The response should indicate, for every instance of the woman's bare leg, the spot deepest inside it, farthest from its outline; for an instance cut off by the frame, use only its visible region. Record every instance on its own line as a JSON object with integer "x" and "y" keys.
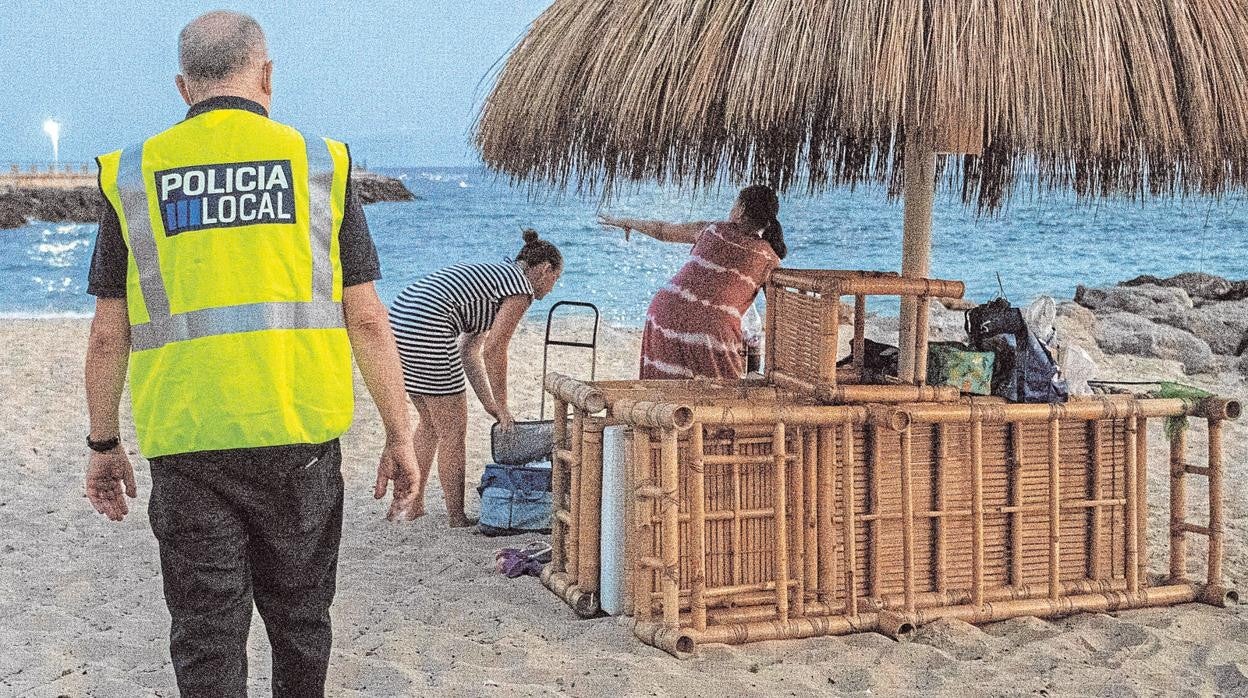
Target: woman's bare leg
{"x": 448, "y": 414}
{"x": 426, "y": 438}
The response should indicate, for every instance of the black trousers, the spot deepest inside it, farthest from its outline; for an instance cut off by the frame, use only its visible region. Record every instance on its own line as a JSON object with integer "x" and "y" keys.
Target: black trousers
{"x": 260, "y": 526}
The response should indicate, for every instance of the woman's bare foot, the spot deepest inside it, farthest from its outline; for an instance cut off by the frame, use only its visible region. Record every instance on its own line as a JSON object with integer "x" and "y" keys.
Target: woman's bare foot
{"x": 462, "y": 522}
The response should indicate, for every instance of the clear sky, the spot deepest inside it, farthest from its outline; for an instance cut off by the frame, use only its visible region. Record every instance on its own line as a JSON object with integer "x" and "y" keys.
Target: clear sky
{"x": 399, "y": 81}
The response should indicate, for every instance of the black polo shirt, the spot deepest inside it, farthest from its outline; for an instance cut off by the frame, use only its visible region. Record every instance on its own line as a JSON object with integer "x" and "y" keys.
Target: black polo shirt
{"x": 107, "y": 277}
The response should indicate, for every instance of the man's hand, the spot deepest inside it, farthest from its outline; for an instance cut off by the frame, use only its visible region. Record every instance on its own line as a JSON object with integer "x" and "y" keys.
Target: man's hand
{"x": 398, "y": 464}
{"x": 108, "y": 475}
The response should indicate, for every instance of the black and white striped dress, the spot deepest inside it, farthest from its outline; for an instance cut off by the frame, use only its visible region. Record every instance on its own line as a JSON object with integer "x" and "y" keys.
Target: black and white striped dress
{"x": 430, "y": 315}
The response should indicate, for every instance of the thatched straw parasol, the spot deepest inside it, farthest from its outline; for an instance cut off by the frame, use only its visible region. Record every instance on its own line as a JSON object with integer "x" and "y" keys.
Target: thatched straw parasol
{"x": 1108, "y": 97}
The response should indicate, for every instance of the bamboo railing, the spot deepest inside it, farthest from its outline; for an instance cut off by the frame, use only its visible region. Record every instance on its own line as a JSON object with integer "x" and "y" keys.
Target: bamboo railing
{"x": 757, "y": 515}
{"x": 803, "y": 329}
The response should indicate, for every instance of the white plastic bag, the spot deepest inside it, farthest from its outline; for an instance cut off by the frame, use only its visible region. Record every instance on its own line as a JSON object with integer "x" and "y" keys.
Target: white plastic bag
{"x": 1076, "y": 367}
{"x": 1039, "y": 318}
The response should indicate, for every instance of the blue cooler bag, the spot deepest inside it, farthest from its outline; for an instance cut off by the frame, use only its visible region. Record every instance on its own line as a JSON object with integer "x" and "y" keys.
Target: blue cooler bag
{"x": 515, "y": 499}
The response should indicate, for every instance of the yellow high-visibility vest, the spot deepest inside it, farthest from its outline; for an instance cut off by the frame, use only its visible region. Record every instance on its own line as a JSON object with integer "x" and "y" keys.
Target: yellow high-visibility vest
{"x": 234, "y": 284}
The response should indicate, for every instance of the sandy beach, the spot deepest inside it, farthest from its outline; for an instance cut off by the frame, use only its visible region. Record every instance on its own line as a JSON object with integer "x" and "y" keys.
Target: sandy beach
{"x": 420, "y": 611}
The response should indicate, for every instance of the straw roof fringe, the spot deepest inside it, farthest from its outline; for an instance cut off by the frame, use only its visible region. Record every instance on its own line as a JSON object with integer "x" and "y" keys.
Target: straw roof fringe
{"x": 1108, "y": 97}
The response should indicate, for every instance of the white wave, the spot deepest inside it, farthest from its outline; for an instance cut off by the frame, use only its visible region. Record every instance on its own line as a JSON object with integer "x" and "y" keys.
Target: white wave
{"x": 59, "y": 248}
{"x": 44, "y": 315}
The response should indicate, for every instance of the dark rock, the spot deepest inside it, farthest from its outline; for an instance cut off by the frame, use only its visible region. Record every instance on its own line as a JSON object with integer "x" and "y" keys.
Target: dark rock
{"x": 373, "y": 188}
{"x": 1152, "y": 302}
{"x": 1222, "y": 324}
{"x": 1198, "y": 285}
{"x": 11, "y": 216}
{"x": 86, "y": 205}
{"x": 51, "y": 204}
{"x": 1076, "y": 325}
{"x": 1127, "y": 333}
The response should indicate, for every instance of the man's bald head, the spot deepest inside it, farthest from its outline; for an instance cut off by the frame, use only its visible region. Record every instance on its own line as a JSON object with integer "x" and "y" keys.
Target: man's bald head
{"x": 223, "y": 52}
{"x": 217, "y": 45}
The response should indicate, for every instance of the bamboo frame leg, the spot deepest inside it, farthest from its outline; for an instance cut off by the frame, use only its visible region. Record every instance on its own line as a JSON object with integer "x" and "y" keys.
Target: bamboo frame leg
{"x": 1131, "y": 515}
{"x": 907, "y": 520}
{"x": 831, "y": 322}
{"x": 938, "y": 524}
{"x": 1216, "y": 525}
{"x": 738, "y": 544}
{"x": 797, "y": 495}
{"x": 847, "y": 496}
{"x": 921, "y": 312}
{"x": 589, "y": 502}
{"x": 558, "y": 485}
{"x": 697, "y": 528}
{"x": 1141, "y": 498}
{"x": 810, "y": 522}
{"x": 670, "y": 545}
{"x": 1016, "y": 500}
{"x": 977, "y": 513}
{"x": 574, "y": 493}
{"x": 643, "y": 535}
{"x": 781, "y": 518}
{"x": 1178, "y": 504}
{"x": 1096, "y": 561}
{"x": 1055, "y": 509}
{"x": 873, "y": 507}
{"x": 827, "y": 508}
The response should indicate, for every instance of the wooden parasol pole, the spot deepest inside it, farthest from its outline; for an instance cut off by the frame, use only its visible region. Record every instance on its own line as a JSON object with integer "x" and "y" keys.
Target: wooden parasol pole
{"x": 916, "y": 241}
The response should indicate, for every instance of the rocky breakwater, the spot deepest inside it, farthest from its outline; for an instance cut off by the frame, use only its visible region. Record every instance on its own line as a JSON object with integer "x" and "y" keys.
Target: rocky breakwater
{"x": 83, "y": 204}
{"x": 1198, "y": 320}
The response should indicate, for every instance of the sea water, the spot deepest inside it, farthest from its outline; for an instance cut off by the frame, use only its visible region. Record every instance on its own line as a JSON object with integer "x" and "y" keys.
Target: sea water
{"x": 1041, "y": 244}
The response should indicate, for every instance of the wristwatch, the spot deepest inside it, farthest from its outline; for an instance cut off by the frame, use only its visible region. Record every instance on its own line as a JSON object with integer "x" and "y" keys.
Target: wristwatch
{"x": 103, "y": 446}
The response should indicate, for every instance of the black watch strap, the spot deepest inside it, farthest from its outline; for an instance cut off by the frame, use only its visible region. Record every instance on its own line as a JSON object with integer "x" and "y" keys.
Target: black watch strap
{"x": 103, "y": 446}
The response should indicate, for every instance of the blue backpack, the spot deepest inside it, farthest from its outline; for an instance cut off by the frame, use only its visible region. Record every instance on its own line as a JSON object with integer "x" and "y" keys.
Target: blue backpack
{"x": 515, "y": 499}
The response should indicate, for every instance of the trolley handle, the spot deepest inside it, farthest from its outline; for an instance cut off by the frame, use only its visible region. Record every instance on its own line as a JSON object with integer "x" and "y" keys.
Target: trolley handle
{"x": 547, "y": 342}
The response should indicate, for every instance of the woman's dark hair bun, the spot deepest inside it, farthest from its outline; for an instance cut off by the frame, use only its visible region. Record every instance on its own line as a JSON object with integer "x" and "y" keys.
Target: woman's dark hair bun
{"x": 537, "y": 251}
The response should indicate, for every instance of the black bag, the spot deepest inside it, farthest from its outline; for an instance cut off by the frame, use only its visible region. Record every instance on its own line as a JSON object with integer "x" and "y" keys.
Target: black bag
{"x": 1023, "y": 370}
{"x": 879, "y": 360}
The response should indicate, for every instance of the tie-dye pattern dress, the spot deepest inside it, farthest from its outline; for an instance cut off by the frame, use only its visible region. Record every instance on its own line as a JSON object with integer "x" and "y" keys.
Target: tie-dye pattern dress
{"x": 693, "y": 325}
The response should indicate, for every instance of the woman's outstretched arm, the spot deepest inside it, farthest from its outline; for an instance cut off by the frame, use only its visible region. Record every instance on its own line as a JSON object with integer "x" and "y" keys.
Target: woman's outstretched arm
{"x": 686, "y": 233}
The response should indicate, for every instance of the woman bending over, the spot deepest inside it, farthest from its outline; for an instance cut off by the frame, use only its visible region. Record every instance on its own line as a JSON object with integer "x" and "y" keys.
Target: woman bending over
{"x": 453, "y": 327}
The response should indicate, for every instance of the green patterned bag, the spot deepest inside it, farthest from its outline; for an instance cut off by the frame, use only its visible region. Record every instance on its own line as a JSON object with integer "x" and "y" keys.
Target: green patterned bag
{"x": 953, "y": 363}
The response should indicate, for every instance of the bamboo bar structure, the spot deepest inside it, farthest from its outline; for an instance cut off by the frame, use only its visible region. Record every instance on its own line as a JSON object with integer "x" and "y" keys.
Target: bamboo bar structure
{"x": 977, "y": 513}
{"x": 825, "y": 521}
{"x": 669, "y": 468}
{"x": 585, "y": 396}
{"x": 1178, "y": 504}
{"x": 781, "y": 523}
{"x": 1216, "y": 528}
{"x": 1132, "y": 515}
{"x": 758, "y": 513}
{"x": 589, "y": 503}
{"x": 574, "y": 510}
{"x": 803, "y": 332}
{"x": 558, "y": 483}
{"x": 697, "y": 530}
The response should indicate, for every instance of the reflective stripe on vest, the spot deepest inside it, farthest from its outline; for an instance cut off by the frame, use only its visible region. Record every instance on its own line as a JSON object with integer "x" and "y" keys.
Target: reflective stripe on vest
{"x": 163, "y": 327}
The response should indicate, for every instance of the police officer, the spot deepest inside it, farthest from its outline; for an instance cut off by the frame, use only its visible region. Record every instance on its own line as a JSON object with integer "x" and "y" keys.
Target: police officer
{"x": 234, "y": 275}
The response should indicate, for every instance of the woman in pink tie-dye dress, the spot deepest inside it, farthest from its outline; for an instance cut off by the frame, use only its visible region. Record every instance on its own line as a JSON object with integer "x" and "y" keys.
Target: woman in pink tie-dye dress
{"x": 693, "y": 325}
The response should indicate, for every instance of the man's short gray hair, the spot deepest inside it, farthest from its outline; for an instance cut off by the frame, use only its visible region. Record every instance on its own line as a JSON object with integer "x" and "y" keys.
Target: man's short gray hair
{"x": 216, "y": 45}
